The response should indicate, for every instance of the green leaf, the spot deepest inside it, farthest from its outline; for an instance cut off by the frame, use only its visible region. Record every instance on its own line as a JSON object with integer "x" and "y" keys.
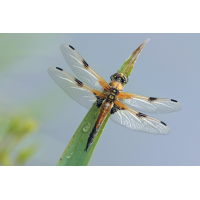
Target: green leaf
{"x": 74, "y": 154}
{"x": 128, "y": 65}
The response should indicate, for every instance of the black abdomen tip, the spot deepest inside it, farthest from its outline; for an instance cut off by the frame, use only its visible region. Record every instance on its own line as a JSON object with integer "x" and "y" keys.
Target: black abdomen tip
{"x": 59, "y": 68}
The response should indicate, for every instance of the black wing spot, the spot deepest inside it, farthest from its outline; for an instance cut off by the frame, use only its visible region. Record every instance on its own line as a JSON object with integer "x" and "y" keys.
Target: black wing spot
{"x": 163, "y": 123}
{"x": 71, "y": 47}
{"x": 141, "y": 114}
{"x": 115, "y": 108}
{"x": 85, "y": 64}
{"x": 59, "y": 68}
{"x": 152, "y": 98}
{"x": 174, "y": 100}
{"x": 78, "y": 82}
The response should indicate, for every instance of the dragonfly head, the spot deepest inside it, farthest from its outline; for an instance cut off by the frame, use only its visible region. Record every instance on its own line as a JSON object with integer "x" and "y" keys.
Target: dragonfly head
{"x": 119, "y": 77}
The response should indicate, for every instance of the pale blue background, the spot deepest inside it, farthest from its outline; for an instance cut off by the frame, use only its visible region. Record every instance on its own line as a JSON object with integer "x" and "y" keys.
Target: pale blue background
{"x": 168, "y": 67}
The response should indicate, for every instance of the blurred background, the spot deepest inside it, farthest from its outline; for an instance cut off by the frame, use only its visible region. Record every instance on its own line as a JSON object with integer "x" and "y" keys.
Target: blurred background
{"x": 38, "y": 119}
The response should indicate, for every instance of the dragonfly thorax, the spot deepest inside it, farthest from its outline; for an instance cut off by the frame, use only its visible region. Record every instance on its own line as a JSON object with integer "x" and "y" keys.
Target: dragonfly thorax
{"x": 114, "y": 91}
{"x": 112, "y": 94}
{"x": 116, "y": 85}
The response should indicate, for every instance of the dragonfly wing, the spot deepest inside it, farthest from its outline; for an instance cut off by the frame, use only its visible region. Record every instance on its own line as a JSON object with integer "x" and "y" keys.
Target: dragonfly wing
{"x": 137, "y": 121}
{"x": 81, "y": 68}
{"x": 78, "y": 91}
{"x": 149, "y": 104}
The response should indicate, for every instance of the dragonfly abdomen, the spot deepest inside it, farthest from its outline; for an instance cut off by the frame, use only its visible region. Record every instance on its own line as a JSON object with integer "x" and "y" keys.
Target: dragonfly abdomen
{"x": 105, "y": 109}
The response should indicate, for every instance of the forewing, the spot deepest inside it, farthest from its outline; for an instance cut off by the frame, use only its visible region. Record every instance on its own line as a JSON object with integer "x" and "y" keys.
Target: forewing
{"x": 81, "y": 68}
{"x": 138, "y": 121}
{"x": 149, "y": 104}
{"x": 78, "y": 91}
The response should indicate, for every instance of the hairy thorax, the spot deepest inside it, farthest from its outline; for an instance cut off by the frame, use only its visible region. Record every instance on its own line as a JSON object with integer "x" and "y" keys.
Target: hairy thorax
{"x": 115, "y": 88}
{"x": 117, "y": 85}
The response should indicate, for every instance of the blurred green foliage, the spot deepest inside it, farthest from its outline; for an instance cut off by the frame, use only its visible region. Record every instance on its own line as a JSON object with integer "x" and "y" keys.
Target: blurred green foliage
{"x": 13, "y": 131}
{"x": 17, "y": 145}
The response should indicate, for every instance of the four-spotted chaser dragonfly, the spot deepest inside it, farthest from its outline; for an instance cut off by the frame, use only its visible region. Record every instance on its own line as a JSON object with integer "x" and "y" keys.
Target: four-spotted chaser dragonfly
{"x": 111, "y": 99}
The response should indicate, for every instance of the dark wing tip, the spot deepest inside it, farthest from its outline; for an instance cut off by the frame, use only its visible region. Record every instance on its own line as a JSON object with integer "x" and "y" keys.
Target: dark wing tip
{"x": 174, "y": 100}
{"x": 59, "y": 68}
{"x": 163, "y": 123}
{"x": 71, "y": 47}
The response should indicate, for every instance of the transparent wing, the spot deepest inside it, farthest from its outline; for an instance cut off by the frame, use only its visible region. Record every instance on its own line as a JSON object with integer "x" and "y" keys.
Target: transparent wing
{"x": 82, "y": 69}
{"x": 137, "y": 121}
{"x": 78, "y": 91}
{"x": 149, "y": 104}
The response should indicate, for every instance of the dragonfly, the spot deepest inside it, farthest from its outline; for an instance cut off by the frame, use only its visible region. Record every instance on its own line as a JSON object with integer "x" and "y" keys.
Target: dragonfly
{"x": 125, "y": 108}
